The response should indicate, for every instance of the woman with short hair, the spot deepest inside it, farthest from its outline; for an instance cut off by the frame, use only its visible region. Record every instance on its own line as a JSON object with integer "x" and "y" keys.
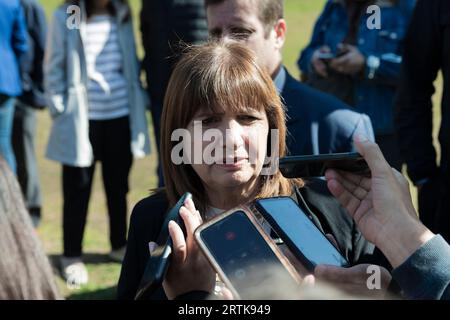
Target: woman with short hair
{"x": 219, "y": 90}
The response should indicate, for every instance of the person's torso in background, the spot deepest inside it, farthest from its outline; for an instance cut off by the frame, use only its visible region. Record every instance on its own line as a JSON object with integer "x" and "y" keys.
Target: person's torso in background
{"x": 107, "y": 87}
{"x": 166, "y": 26}
{"x": 370, "y": 96}
{"x": 12, "y": 44}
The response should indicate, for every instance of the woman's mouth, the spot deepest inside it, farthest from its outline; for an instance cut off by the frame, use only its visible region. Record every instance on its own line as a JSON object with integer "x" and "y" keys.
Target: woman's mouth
{"x": 232, "y": 164}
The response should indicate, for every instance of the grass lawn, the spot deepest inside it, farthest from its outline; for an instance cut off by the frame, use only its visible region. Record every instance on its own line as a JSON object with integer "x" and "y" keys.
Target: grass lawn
{"x": 300, "y": 16}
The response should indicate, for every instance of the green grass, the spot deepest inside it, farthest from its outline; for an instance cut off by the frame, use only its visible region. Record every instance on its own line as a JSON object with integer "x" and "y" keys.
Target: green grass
{"x": 300, "y": 16}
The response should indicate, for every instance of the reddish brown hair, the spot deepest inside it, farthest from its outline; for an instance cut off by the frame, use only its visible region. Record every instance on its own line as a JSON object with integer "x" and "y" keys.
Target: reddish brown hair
{"x": 218, "y": 74}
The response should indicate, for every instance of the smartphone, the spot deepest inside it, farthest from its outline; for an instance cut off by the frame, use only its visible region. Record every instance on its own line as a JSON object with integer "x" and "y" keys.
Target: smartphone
{"x": 159, "y": 261}
{"x": 325, "y": 56}
{"x": 316, "y": 165}
{"x": 309, "y": 245}
{"x": 245, "y": 258}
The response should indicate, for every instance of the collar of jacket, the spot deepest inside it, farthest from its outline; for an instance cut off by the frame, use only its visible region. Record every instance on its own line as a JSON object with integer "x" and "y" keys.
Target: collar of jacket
{"x": 380, "y": 3}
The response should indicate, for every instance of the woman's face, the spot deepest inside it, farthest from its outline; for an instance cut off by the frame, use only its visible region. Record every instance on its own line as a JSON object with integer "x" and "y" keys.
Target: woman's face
{"x": 235, "y": 156}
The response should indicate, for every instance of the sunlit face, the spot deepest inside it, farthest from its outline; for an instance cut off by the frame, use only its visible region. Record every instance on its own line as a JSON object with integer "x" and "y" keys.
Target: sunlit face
{"x": 243, "y": 147}
{"x": 238, "y": 20}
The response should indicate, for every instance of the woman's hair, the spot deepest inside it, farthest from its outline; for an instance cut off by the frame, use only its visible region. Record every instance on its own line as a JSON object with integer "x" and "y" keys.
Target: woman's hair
{"x": 218, "y": 75}
{"x": 89, "y": 4}
{"x": 25, "y": 272}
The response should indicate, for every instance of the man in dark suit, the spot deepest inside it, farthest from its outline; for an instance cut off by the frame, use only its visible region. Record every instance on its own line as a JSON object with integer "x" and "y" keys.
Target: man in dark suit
{"x": 317, "y": 123}
{"x": 166, "y": 27}
{"x": 427, "y": 50}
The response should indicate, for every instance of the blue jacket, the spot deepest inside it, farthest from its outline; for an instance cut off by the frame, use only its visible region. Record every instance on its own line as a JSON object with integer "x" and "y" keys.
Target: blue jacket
{"x": 13, "y": 43}
{"x": 317, "y": 122}
{"x": 383, "y": 48}
{"x": 32, "y": 62}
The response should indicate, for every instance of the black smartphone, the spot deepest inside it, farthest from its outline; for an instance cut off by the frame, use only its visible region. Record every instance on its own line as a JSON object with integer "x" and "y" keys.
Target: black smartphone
{"x": 316, "y": 165}
{"x": 245, "y": 258}
{"x": 299, "y": 233}
{"x": 158, "y": 263}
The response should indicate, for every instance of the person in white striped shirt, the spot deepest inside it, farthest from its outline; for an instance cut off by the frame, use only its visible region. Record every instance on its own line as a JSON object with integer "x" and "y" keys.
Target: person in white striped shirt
{"x": 101, "y": 118}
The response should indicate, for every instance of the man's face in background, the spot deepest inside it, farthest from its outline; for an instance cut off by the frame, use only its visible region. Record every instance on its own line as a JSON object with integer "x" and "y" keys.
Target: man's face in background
{"x": 238, "y": 20}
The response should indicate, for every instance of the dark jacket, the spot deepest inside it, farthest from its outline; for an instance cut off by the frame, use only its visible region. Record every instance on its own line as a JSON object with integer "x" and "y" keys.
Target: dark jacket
{"x": 426, "y": 273}
{"x": 33, "y": 60}
{"x": 427, "y": 50}
{"x": 375, "y": 89}
{"x": 164, "y": 24}
{"x": 317, "y": 122}
{"x": 13, "y": 44}
{"x": 148, "y": 215}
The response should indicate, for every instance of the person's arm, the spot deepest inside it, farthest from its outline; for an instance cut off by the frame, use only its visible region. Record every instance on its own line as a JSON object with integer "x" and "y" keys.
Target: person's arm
{"x": 32, "y": 62}
{"x": 345, "y": 126}
{"x": 129, "y": 275}
{"x": 421, "y": 63}
{"x": 55, "y": 83}
{"x": 382, "y": 208}
{"x": 39, "y": 34}
{"x": 317, "y": 41}
{"x": 155, "y": 25}
{"x": 426, "y": 273}
{"x": 19, "y": 34}
{"x": 380, "y": 205}
{"x": 383, "y": 68}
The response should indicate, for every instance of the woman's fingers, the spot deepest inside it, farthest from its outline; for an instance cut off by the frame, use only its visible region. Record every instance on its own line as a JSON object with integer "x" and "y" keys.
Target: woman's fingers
{"x": 179, "y": 247}
{"x": 191, "y": 223}
{"x": 189, "y": 204}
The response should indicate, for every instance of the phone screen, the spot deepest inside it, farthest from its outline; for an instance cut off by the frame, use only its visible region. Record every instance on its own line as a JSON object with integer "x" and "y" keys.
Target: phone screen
{"x": 299, "y": 232}
{"x": 244, "y": 255}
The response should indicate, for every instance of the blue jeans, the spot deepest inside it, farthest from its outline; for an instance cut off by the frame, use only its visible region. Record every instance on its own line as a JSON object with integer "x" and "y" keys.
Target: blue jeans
{"x": 6, "y": 124}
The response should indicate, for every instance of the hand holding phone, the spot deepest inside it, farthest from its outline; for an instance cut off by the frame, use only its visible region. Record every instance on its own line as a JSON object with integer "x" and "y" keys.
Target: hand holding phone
{"x": 158, "y": 263}
{"x": 316, "y": 165}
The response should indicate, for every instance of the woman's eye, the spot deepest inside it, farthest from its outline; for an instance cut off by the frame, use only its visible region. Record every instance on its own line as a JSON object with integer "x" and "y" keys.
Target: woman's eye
{"x": 247, "y": 118}
{"x": 210, "y": 121}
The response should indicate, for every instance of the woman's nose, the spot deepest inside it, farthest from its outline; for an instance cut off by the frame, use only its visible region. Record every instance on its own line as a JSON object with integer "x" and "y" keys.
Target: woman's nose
{"x": 234, "y": 135}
